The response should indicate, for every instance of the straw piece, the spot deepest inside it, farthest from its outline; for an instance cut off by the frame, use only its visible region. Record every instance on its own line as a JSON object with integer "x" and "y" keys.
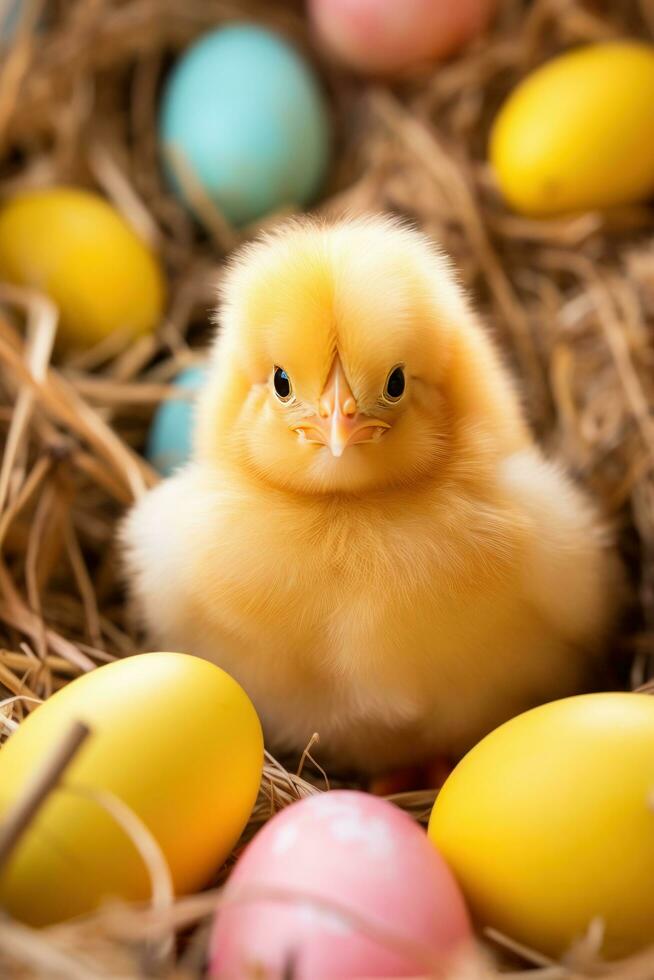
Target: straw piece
{"x": 20, "y": 815}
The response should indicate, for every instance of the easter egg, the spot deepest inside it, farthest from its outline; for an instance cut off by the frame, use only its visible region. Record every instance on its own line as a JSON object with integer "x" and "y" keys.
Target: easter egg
{"x": 244, "y": 112}
{"x": 10, "y": 16}
{"x": 379, "y": 37}
{"x": 578, "y": 133}
{"x": 548, "y": 823}
{"x": 176, "y": 740}
{"x": 170, "y": 439}
{"x": 74, "y": 246}
{"x": 15, "y": 13}
{"x": 338, "y": 858}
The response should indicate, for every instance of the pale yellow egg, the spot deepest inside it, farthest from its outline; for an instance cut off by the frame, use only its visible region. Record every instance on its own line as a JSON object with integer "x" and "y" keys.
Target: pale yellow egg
{"x": 578, "y": 133}
{"x": 548, "y": 824}
{"x": 75, "y": 247}
{"x": 175, "y": 739}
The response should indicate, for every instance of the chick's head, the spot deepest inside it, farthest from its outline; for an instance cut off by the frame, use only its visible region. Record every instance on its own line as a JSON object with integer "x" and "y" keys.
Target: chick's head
{"x": 328, "y": 366}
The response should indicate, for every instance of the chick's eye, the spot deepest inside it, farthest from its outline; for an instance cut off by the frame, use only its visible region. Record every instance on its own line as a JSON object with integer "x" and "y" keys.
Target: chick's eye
{"x": 395, "y": 384}
{"x": 282, "y": 385}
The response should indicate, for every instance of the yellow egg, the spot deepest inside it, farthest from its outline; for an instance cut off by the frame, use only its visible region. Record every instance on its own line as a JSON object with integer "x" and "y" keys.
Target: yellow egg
{"x": 548, "y": 823}
{"x": 174, "y": 738}
{"x": 75, "y": 247}
{"x": 578, "y": 133}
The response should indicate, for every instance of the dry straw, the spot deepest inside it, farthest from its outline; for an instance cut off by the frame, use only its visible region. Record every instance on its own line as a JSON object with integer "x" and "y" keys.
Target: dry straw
{"x": 571, "y": 301}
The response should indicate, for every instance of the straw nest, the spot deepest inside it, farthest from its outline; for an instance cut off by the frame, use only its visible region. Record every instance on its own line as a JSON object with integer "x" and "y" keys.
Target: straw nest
{"x": 570, "y": 300}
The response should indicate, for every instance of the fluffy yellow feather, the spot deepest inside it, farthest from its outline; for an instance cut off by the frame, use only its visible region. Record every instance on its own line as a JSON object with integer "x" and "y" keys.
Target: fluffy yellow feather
{"x": 397, "y": 573}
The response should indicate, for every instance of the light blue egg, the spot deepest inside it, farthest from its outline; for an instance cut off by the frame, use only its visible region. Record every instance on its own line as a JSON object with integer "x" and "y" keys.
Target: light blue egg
{"x": 245, "y": 111}
{"x": 10, "y": 19}
{"x": 170, "y": 439}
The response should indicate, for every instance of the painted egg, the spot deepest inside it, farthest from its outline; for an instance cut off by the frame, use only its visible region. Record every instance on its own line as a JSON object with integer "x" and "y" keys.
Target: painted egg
{"x": 379, "y": 37}
{"x": 9, "y": 20}
{"x": 74, "y": 246}
{"x": 243, "y": 112}
{"x": 176, "y": 740}
{"x": 342, "y": 861}
{"x": 170, "y": 440}
{"x": 548, "y": 824}
{"x": 578, "y": 133}
{"x": 12, "y": 13}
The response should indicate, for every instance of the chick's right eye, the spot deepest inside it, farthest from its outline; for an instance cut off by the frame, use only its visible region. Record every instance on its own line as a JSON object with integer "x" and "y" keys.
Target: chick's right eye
{"x": 282, "y": 384}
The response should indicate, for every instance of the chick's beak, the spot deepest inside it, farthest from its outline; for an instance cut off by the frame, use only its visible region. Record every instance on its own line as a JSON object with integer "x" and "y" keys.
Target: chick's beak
{"x": 338, "y": 423}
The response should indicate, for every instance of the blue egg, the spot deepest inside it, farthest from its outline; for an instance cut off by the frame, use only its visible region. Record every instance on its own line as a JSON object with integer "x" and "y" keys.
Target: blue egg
{"x": 9, "y": 20}
{"x": 170, "y": 439}
{"x": 246, "y": 113}
{"x": 10, "y": 16}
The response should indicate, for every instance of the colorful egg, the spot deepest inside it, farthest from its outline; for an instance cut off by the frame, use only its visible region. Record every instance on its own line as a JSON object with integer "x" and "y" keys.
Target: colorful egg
{"x": 245, "y": 114}
{"x": 9, "y": 20}
{"x": 578, "y": 133}
{"x": 548, "y": 824}
{"x": 382, "y": 37}
{"x": 12, "y": 13}
{"x": 349, "y": 852}
{"x": 176, "y": 740}
{"x": 170, "y": 440}
{"x": 76, "y": 248}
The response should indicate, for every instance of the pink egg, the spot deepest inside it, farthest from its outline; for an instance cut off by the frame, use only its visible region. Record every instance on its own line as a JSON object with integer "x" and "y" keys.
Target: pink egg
{"x": 341, "y": 861}
{"x": 386, "y": 36}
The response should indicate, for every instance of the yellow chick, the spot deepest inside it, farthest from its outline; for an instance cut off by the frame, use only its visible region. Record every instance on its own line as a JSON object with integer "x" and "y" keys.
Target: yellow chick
{"x": 368, "y": 538}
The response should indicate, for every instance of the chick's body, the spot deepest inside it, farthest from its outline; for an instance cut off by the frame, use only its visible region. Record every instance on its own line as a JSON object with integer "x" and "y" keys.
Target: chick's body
{"x": 398, "y": 574}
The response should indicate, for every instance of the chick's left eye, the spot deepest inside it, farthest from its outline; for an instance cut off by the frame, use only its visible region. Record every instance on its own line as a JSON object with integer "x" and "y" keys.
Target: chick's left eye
{"x": 282, "y": 384}
{"x": 395, "y": 384}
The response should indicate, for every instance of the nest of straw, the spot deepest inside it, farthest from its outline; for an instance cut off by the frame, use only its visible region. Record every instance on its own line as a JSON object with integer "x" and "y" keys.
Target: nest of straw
{"x": 570, "y": 300}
